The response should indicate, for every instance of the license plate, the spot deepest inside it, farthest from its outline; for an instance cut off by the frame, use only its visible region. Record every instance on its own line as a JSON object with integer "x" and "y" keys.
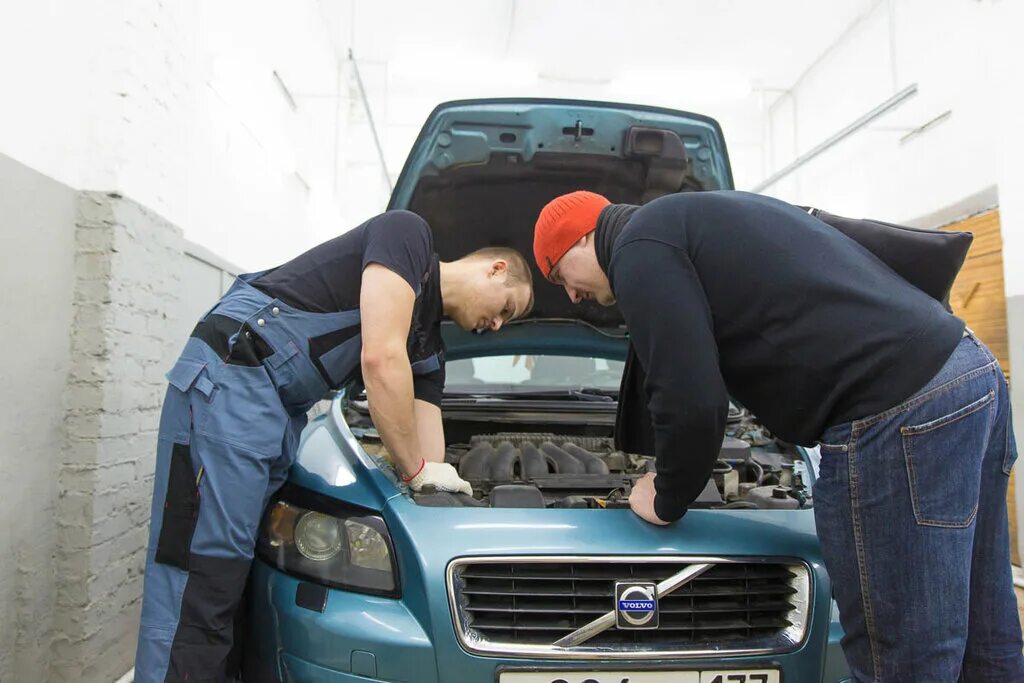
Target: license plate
{"x": 731, "y": 676}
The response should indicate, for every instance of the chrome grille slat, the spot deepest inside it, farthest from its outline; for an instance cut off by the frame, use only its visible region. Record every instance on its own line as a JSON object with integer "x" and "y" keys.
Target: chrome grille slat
{"x": 564, "y": 624}
{"x": 601, "y": 609}
{"x": 522, "y": 605}
{"x": 591, "y": 592}
{"x": 501, "y": 572}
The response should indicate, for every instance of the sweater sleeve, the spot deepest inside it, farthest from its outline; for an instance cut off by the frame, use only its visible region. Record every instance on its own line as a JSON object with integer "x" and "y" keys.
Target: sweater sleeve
{"x": 670, "y": 325}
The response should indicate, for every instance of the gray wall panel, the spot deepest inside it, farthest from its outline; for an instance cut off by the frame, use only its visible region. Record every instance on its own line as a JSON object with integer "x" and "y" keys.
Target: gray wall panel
{"x": 37, "y": 248}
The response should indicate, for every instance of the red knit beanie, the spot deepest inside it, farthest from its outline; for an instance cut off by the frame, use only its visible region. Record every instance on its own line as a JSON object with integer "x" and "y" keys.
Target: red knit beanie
{"x": 562, "y": 223}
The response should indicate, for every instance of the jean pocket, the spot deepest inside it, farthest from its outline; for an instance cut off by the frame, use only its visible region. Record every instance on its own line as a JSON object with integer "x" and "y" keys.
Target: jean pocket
{"x": 943, "y": 459}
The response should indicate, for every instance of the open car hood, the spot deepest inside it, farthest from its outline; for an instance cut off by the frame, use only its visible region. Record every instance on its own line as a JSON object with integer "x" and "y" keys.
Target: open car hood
{"x": 481, "y": 171}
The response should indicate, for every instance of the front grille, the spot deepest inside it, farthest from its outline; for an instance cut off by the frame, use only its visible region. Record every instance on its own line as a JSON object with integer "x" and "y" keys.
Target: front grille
{"x": 523, "y": 605}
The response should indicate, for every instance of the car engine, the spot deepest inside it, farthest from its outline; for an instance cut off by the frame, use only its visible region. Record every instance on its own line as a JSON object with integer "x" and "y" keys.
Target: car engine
{"x": 528, "y": 469}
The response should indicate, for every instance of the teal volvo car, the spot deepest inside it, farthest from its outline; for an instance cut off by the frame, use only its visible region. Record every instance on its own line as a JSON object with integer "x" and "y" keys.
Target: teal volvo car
{"x": 543, "y": 575}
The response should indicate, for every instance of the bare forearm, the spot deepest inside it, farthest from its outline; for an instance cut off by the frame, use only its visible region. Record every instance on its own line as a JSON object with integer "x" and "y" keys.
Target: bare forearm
{"x": 390, "y": 395}
{"x": 431, "y": 431}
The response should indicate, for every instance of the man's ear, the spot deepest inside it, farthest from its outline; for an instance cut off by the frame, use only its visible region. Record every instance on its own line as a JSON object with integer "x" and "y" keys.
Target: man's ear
{"x": 498, "y": 266}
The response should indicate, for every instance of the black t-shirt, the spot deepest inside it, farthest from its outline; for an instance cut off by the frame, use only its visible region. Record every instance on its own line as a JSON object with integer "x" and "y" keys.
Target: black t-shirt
{"x": 327, "y": 279}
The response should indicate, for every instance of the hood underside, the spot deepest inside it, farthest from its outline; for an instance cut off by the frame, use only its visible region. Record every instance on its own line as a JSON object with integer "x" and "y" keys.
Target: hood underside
{"x": 482, "y": 170}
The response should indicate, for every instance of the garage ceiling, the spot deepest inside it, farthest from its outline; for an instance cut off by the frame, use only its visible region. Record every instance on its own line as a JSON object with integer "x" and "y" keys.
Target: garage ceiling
{"x": 726, "y": 58}
{"x": 770, "y": 42}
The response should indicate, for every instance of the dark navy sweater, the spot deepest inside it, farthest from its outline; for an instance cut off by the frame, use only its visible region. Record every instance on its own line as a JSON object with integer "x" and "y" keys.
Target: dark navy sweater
{"x": 730, "y": 293}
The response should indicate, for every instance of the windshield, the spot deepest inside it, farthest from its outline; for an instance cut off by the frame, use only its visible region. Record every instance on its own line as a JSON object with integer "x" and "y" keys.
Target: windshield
{"x": 531, "y": 373}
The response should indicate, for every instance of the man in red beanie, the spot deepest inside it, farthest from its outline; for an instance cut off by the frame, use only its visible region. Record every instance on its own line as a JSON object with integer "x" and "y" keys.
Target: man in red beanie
{"x": 734, "y": 294}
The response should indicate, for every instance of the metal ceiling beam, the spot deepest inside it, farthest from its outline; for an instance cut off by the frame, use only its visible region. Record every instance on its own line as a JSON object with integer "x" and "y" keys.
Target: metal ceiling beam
{"x": 883, "y": 108}
{"x": 369, "y": 117}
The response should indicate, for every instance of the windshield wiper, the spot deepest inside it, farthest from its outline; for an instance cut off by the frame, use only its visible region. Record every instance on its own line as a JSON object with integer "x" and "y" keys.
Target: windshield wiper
{"x": 605, "y": 395}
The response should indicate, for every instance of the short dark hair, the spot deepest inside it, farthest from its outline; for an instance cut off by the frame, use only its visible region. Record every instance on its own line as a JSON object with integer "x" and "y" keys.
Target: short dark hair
{"x": 518, "y": 268}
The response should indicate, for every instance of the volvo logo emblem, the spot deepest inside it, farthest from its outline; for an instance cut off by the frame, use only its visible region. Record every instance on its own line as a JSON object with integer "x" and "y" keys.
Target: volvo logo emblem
{"x": 636, "y": 604}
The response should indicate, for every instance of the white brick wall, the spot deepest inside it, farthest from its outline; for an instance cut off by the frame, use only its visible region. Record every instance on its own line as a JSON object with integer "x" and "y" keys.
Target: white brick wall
{"x": 69, "y": 603}
{"x": 126, "y": 266}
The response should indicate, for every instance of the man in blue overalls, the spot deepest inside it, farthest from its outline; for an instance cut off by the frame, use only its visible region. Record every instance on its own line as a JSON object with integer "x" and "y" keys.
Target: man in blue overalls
{"x": 369, "y": 301}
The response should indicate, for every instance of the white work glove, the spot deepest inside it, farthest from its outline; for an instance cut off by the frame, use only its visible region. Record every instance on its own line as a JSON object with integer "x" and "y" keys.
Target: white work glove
{"x": 442, "y": 477}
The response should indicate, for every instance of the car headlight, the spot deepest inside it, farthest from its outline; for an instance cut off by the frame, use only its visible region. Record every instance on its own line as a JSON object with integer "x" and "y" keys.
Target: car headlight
{"x": 318, "y": 536}
{"x": 332, "y": 544}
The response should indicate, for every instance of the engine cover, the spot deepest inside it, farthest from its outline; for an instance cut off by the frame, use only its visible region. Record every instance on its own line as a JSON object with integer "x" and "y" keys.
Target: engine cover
{"x": 536, "y": 470}
{"x": 527, "y": 459}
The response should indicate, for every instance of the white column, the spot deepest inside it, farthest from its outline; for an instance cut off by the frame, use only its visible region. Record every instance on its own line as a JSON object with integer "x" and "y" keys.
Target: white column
{"x": 1006, "y": 58}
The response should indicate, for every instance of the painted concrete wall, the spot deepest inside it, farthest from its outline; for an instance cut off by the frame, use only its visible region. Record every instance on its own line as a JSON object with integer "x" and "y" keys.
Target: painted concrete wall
{"x": 177, "y": 105}
{"x": 947, "y": 48}
{"x": 37, "y": 238}
{"x": 203, "y": 278}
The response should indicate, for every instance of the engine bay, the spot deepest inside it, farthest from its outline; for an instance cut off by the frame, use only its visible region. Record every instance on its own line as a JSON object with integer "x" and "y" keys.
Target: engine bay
{"x": 574, "y": 467}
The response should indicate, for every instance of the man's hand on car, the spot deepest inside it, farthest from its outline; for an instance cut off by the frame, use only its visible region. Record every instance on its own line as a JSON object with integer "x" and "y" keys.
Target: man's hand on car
{"x": 441, "y": 476}
{"x": 641, "y": 499}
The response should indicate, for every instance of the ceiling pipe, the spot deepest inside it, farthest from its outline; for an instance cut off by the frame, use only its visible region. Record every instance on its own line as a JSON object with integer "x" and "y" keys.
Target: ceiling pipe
{"x": 883, "y": 108}
{"x": 369, "y": 116}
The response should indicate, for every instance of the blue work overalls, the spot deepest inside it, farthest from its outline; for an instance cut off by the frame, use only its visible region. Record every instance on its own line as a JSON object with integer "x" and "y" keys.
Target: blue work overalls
{"x": 229, "y": 430}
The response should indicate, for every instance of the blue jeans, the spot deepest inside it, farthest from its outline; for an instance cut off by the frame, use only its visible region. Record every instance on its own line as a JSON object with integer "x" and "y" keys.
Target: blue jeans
{"x": 910, "y": 508}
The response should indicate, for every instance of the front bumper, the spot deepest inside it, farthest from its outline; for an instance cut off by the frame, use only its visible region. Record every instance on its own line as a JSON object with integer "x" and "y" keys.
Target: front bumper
{"x": 365, "y": 638}
{"x": 357, "y": 637}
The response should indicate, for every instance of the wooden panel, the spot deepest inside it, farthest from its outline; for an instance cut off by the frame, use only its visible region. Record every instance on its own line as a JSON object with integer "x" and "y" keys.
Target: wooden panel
{"x": 979, "y": 298}
{"x": 987, "y": 235}
{"x": 978, "y": 295}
